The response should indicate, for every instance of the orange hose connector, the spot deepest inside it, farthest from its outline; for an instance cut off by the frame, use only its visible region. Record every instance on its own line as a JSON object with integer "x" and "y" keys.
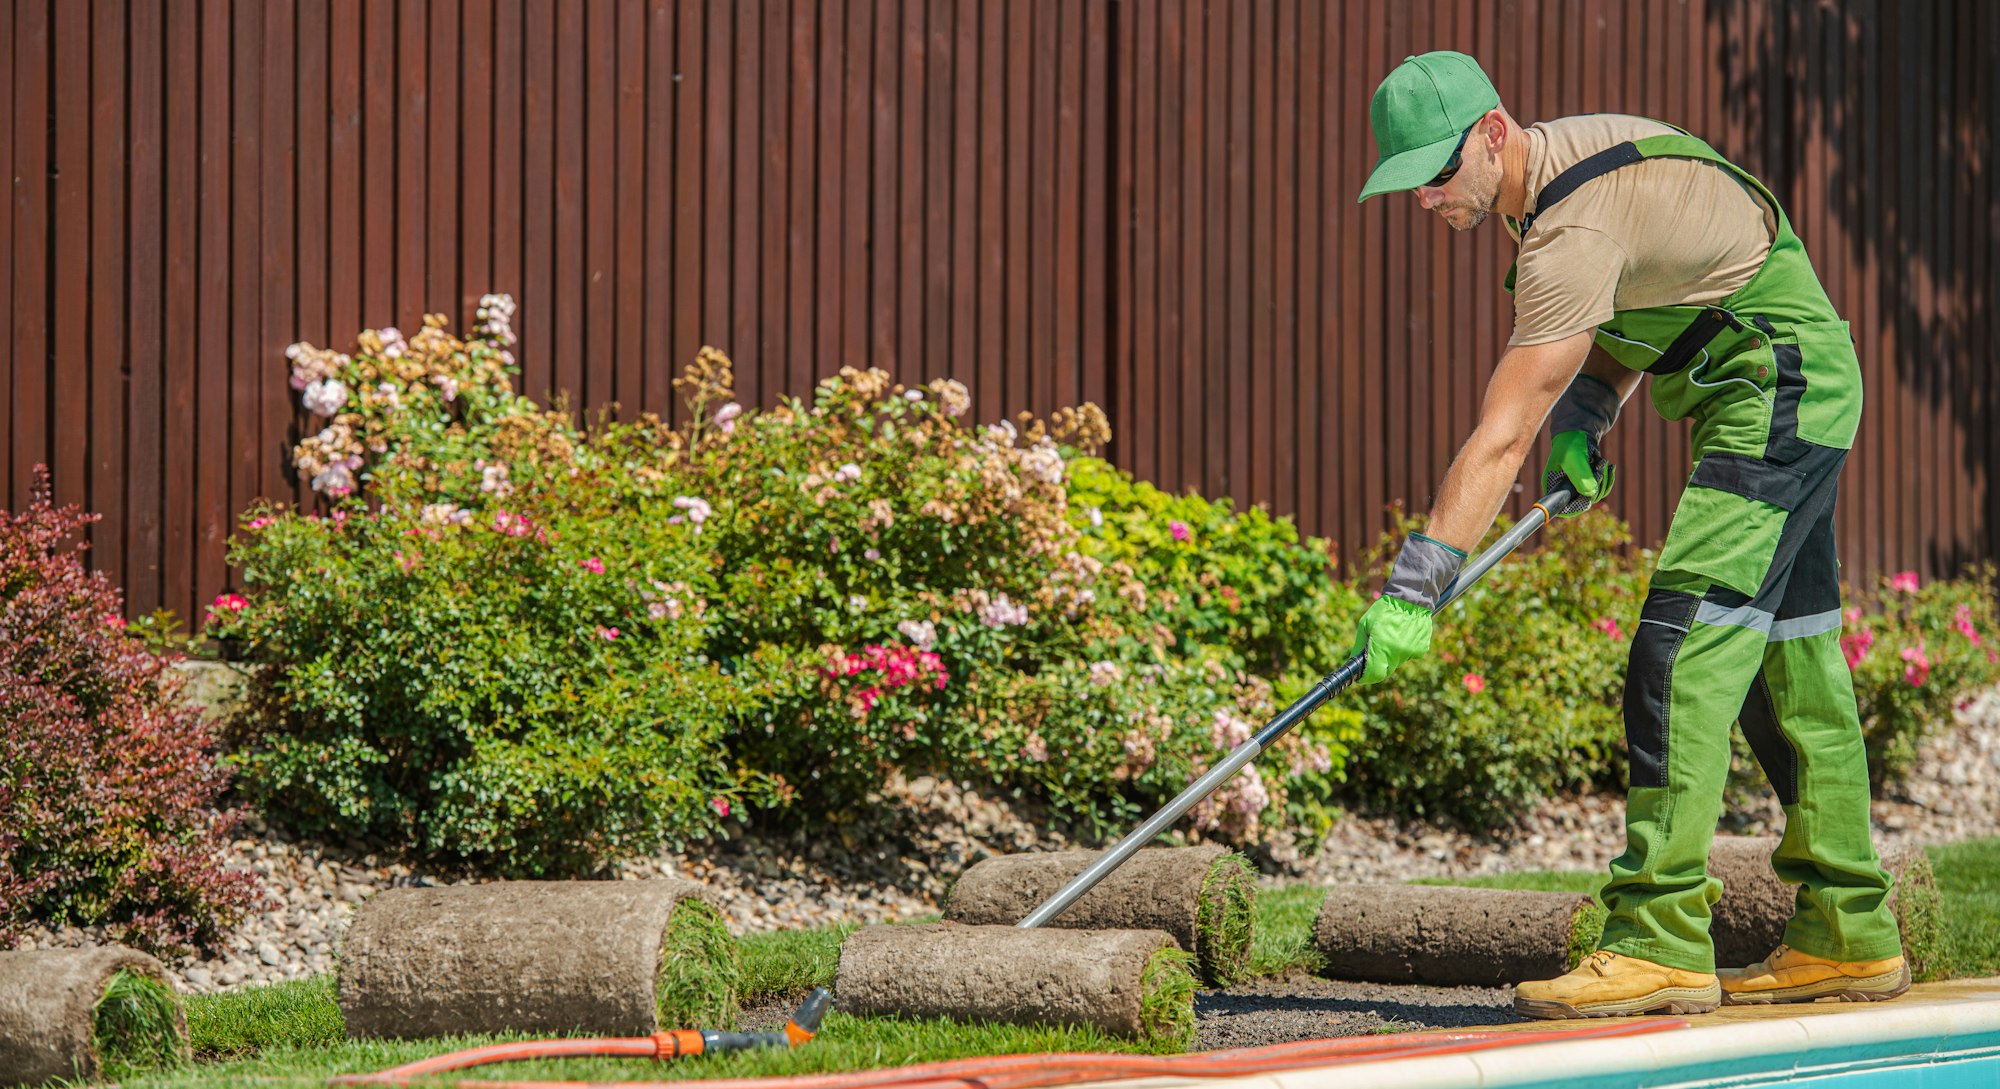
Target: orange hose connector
{"x": 1013, "y": 1071}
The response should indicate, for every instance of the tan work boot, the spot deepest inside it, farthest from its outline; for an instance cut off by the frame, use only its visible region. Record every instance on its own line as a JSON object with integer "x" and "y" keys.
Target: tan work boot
{"x": 1788, "y": 975}
{"x": 1609, "y": 984}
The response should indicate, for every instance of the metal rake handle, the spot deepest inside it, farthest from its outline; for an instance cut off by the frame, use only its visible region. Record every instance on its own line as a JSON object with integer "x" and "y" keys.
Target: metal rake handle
{"x": 1251, "y": 748}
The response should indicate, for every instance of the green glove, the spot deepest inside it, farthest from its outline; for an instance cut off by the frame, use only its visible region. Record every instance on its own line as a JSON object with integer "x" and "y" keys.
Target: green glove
{"x": 1391, "y": 632}
{"x": 1397, "y": 627}
{"x": 1576, "y": 463}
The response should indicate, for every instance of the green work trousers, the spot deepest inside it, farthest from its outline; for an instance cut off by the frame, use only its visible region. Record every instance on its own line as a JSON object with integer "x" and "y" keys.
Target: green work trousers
{"x": 1742, "y": 623}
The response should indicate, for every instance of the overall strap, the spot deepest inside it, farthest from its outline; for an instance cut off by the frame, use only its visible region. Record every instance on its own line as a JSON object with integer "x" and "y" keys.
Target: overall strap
{"x": 1676, "y": 144}
{"x": 1590, "y": 169}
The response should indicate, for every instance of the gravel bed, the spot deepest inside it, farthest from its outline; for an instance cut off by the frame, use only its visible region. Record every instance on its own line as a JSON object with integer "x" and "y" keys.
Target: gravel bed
{"x": 920, "y": 834}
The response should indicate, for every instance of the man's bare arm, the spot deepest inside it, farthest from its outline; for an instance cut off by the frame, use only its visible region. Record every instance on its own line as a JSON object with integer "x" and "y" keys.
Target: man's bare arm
{"x": 1524, "y": 387}
{"x": 1599, "y": 365}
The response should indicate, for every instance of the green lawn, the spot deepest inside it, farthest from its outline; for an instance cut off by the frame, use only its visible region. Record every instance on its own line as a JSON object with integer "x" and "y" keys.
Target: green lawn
{"x": 292, "y": 1032}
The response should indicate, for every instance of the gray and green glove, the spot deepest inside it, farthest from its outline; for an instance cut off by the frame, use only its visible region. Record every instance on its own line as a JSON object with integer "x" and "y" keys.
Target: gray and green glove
{"x": 1397, "y": 627}
{"x": 1586, "y": 411}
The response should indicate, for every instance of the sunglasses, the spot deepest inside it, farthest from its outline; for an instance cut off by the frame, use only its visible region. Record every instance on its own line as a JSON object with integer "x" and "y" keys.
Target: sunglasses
{"x": 1451, "y": 165}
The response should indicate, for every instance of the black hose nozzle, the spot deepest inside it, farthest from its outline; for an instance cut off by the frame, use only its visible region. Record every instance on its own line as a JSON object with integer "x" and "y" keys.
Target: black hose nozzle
{"x": 803, "y": 1026}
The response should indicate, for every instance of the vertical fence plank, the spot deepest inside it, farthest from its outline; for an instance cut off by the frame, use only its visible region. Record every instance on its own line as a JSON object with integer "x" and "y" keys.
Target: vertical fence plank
{"x": 744, "y": 255}
{"x": 656, "y": 295}
{"x": 691, "y": 277}
{"x": 509, "y": 209}
{"x": 146, "y": 485}
{"x": 379, "y": 205}
{"x": 276, "y": 285}
{"x": 806, "y": 230}
{"x": 1135, "y": 252}
{"x": 180, "y": 299}
{"x": 215, "y": 441}
{"x": 345, "y": 144}
{"x": 100, "y": 427}
{"x": 600, "y": 47}
{"x": 440, "y": 196}
{"x": 474, "y": 225}
{"x": 771, "y": 237}
{"x": 629, "y": 238}
{"x": 833, "y": 236}
{"x": 14, "y": 475}
{"x": 69, "y": 265}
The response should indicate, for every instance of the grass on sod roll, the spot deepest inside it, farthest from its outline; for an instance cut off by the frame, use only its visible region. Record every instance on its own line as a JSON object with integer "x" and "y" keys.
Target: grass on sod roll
{"x": 699, "y": 969}
{"x": 134, "y": 1027}
{"x": 1225, "y": 918}
{"x": 1166, "y": 1010}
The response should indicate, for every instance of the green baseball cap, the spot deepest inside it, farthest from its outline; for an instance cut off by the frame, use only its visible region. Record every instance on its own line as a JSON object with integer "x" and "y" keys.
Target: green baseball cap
{"x": 1418, "y": 114}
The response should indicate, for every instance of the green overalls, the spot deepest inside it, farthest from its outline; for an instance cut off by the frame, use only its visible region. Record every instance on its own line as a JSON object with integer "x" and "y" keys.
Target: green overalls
{"x": 1742, "y": 622}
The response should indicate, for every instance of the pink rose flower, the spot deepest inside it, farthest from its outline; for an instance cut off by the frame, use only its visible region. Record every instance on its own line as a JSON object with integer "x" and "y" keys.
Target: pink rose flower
{"x": 1609, "y": 627}
{"x": 1179, "y": 529}
{"x": 1906, "y": 581}
{"x": 593, "y": 565}
{"x": 720, "y": 805}
{"x": 1854, "y": 647}
{"x": 606, "y": 633}
{"x": 1474, "y": 683}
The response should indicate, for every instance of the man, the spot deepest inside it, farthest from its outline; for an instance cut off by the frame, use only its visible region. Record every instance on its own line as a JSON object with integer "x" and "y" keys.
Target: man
{"x": 1643, "y": 251}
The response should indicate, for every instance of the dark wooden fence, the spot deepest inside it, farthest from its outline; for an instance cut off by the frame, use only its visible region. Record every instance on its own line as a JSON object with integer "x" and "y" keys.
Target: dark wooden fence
{"x": 1145, "y": 204}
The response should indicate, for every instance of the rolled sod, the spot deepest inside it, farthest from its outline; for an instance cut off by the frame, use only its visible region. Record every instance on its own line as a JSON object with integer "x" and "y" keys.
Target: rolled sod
{"x": 1453, "y": 936}
{"x": 80, "y": 1014}
{"x": 1135, "y": 984}
{"x": 1203, "y": 896}
{"x": 1749, "y": 920}
{"x": 611, "y": 958}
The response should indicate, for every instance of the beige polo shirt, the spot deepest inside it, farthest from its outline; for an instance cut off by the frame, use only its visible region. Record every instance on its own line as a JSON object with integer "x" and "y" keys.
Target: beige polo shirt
{"x": 1663, "y": 232}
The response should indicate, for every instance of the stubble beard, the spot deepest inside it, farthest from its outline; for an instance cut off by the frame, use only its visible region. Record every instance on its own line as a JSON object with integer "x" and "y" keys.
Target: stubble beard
{"x": 1482, "y": 206}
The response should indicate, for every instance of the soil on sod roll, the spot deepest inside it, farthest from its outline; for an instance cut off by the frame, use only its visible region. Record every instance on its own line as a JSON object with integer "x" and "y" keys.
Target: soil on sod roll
{"x": 1130, "y": 983}
{"x": 1452, "y": 936}
{"x": 1203, "y": 896}
{"x": 80, "y": 1013}
{"x": 612, "y": 958}
{"x": 1749, "y": 920}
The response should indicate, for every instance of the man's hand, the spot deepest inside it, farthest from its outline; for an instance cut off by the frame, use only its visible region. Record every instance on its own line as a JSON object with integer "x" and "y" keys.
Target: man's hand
{"x": 1576, "y": 463}
{"x": 1391, "y": 632}
{"x": 1397, "y": 627}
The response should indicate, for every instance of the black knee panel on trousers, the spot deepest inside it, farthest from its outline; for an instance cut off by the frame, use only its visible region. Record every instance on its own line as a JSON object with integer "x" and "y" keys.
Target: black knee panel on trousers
{"x": 1663, "y": 625}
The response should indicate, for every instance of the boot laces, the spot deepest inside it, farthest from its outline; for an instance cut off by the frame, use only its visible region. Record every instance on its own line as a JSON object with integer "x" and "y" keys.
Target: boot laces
{"x": 1600, "y": 961}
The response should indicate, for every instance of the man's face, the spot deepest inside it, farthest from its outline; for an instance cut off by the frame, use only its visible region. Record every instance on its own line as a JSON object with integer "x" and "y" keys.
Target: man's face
{"x": 1469, "y": 195}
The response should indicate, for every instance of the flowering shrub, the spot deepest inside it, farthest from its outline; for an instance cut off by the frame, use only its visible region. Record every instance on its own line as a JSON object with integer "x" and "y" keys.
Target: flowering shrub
{"x": 1916, "y": 651}
{"x": 107, "y": 782}
{"x": 534, "y": 647}
{"x": 1241, "y": 581}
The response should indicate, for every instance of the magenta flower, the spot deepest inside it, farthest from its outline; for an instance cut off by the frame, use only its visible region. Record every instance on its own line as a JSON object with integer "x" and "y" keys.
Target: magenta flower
{"x": 1906, "y": 581}
{"x": 1609, "y": 627}
{"x": 258, "y": 523}
{"x": 1964, "y": 624}
{"x": 593, "y": 565}
{"x": 720, "y": 805}
{"x": 606, "y": 633}
{"x": 1474, "y": 683}
{"x": 1854, "y": 647}
{"x": 114, "y": 621}
{"x": 1179, "y": 529}
{"x": 1919, "y": 668}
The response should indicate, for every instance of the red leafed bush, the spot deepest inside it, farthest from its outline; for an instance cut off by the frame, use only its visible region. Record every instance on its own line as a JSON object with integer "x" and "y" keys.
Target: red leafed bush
{"x": 107, "y": 782}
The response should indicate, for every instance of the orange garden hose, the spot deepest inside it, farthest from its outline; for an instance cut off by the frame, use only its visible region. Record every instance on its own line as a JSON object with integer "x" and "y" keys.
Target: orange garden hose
{"x": 992, "y": 1072}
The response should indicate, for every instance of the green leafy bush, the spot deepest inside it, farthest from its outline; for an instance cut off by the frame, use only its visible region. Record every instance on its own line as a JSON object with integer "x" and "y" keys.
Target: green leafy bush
{"x": 536, "y": 648}
{"x": 1520, "y": 696}
{"x": 1241, "y": 581}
